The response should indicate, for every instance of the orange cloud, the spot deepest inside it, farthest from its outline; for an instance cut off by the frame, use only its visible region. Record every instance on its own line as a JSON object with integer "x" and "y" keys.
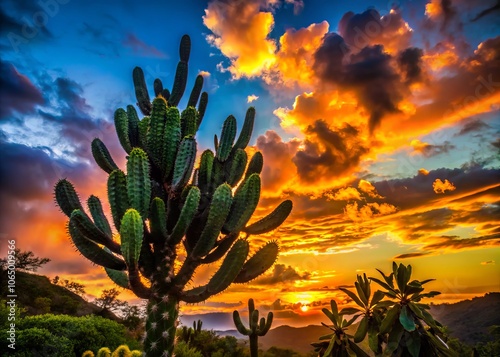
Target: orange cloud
{"x": 441, "y": 187}
{"x": 423, "y": 171}
{"x": 368, "y": 188}
{"x": 367, "y": 211}
{"x": 346, "y": 194}
{"x": 241, "y": 32}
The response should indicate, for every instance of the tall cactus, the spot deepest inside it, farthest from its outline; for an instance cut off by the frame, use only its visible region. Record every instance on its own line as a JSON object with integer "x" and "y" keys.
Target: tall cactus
{"x": 256, "y": 328}
{"x": 162, "y": 202}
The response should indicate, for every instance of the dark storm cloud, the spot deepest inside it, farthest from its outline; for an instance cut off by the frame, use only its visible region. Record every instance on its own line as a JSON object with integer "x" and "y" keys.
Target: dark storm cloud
{"x": 342, "y": 151}
{"x": 369, "y": 73}
{"x": 410, "y": 62}
{"x": 17, "y": 93}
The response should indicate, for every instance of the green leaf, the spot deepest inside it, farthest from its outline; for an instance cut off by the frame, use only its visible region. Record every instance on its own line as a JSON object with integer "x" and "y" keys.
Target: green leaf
{"x": 389, "y": 319}
{"x": 331, "y": 316}
{"x": 362, "y": 330}
{"x": 349, "y": 311}
{"x": 377, "y": 296}
{"x": 353, "y": 297}
{"x": 361, "y": 293}
{"x": 413, "y": 343}
{"x": 382, "y": 284}
{"x": 357, "y": 350}
{"x": 393, "y": 341}
{"x": 406, "y": 319}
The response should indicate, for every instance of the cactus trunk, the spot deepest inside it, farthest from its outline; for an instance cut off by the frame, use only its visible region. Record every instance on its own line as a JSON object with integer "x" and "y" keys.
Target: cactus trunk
{"x": 161, "y": 324}
{"x": 254, "y": 346}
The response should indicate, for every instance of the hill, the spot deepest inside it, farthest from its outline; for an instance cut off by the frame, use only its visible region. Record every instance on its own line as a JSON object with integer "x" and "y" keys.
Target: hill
{"x": 469, "y": 320}
{"x": 36, "y": 294}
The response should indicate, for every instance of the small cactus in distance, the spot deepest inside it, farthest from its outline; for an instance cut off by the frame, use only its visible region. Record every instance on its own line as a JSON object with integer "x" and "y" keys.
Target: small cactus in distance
{"x": 256, "y": 328}
{"x": 161, "y": 205}
{"x": 88, "y": 354}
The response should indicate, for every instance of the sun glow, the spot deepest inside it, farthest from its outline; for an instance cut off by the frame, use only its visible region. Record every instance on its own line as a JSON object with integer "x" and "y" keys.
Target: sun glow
{"x": 304, "y": 308}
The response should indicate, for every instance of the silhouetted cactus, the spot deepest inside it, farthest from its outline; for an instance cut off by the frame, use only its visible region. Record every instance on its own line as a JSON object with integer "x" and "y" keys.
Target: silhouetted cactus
{"x": 160, "y": 203}
{"x": 255, "y": 328}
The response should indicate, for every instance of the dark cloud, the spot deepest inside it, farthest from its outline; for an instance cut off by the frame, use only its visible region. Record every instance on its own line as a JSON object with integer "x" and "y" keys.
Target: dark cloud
{"x": 417, "y": 190}
{"x": 369, "y": 28}
{"x": 429, "y": 150}
{"x": 410, "y": 62}
{"x": 487, "y": 11}
{"x": 104, "y": 40}
{"x": 496, "y": 143}
{"x": 342, "y": 151}
{"x": 473, "y": 126}
{"x": 410, "y": 255}
{"x": 369, "y": 73}
{"x": 17, "y": 93}
{"x": 282, "y": 274}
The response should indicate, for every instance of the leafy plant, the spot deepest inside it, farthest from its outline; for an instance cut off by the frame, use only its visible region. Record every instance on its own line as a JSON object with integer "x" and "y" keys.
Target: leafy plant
{"x": 161, "y": 204}
{"x": 340, "y": 342}
{"x": 410, "y": 328}
{"x": 372, "y": 310}
{"x": 256, "y": 328}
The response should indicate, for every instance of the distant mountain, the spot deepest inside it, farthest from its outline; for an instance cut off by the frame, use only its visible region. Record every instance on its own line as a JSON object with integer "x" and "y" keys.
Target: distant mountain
{"x": 35, "y": 293}
{"x": 469, "y": 320}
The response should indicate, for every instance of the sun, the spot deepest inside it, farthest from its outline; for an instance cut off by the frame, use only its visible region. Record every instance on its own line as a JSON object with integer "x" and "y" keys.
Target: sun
{"x": 304, "y": 308}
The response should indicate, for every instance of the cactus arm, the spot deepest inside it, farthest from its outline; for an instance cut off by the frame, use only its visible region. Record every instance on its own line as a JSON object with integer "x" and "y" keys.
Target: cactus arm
{"x": 219, "y": 209}
{"x": 156, "y": 131}
{"x": 136, "y": 284}
{"x": 132, "y": 234}
{"x": 184, "y": 162}
{"x": 272, "y": 220}
{"x": 171, "y": 139}
{"x": 179, "y": 83}
{"x": 120, "y": 278}
{"x": 230, "y": 267}
{"x": 205, "y": 170}
{"x": 246, "y": 130}
{"x": 238, "y": 166}
{"x": 138, "y": 181}
{"x": 187, "y": 214}
{"x": 226, "y": 139}
{"x": 92, "y": 251}
{"x": 88, "y": 229}
{"x": 221, "y": 249}
{"x": 141, "y": 91}
{"x": 188, "y": 121}
{"x": 143, "y": 132}
{"x": 259, "y": 263}
{"x": 97, "y": 213}
{"x": 133, "y": 126}
{"x": 185, "y": 48}
{"x": 195, "y": 92}
{"x": 102, "y": 156}
{"x": 255, "y": 165}
{"x": 245, "y": 201}
{"x": 202, "y": 107}
{"x": 66, "y": 197}
{"x": 117, "y": 196}
{"x": 157, "y": 87}
{"x": 267, "y": 326}
{"x": 158, "y": 218}
{"x": 121, "y": 125}
{"x": 239, "y": 324}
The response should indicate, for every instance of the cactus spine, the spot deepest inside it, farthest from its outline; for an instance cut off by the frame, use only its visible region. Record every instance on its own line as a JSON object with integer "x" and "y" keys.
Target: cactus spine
{"x": 162, "y": 201}
{"x": 256, "y": 328}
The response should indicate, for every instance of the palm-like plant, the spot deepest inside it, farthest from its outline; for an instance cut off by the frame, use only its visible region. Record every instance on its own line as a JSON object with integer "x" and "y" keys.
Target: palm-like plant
{"x": 372, "y": 310}
{"x": 410, "y": 328}
{"x": 341, "y": 343}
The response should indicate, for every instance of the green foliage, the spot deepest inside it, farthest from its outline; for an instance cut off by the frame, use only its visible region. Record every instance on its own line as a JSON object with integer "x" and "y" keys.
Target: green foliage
{"x": 79, "y": 334}
{"x": 161, "y": 201}
{"x": 25, "y": 260}
{"x": 42, "y": 304}
{"x": 255, "y": 328}
{"x": 182, "y": 349}
{"x": 33, "y": 340}
{"x": 398, "y": 326}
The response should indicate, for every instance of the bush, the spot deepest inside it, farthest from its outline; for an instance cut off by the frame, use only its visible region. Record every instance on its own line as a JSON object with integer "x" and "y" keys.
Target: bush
{"x": 42, "y": 341}
{"x": 84, "y": 333}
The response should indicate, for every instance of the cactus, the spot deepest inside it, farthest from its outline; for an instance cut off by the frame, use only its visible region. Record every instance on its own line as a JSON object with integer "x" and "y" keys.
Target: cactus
{"x": 255, "y": 328}
{"x": 88, "y": 354}
{"x": 104, "y": 352}
{"x": 162, "y": 201}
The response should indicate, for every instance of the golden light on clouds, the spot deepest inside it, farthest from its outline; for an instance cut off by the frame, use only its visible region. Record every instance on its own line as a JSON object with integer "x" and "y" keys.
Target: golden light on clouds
{"x": 442, "y": 186}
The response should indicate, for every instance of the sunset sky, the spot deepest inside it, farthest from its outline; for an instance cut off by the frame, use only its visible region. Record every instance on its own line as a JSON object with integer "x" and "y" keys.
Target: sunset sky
{"x": 380, "y": 122}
